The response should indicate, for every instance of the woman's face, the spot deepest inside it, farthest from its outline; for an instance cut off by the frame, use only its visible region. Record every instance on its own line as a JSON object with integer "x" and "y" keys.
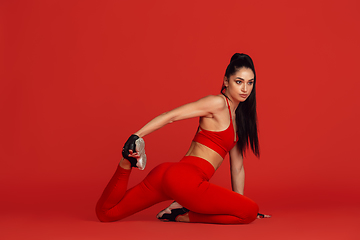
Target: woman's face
{"x": 240, "y": 85}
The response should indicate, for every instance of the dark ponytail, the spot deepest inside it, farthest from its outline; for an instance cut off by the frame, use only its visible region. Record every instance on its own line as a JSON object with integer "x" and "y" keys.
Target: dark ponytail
{"x": 246, "y": 116}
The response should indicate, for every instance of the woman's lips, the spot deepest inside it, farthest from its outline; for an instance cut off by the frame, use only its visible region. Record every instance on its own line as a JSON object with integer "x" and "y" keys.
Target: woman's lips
{"x": 243, "y": 95}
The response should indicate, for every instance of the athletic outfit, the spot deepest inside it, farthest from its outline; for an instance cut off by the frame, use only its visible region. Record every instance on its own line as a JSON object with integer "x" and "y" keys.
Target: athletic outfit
{"x": 186, "y": 182}
{"x": 222, "y": 141}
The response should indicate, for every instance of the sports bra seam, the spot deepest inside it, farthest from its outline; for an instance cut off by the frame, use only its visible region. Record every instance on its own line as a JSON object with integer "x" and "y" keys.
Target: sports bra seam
{"x": 225, "y": 150}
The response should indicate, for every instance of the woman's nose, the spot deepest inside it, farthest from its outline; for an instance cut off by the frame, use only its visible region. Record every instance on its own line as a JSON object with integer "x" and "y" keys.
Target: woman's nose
{"x": 244, "y": 88}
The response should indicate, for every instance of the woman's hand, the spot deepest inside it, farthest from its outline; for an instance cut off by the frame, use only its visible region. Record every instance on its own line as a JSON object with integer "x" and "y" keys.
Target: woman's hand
{"x": 134, "y": 154}
{"x": 124, "y": 163}
{"x": 260, "y": 215}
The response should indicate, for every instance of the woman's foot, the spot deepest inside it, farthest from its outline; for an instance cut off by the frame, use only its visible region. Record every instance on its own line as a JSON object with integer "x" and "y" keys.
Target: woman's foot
{"x": 260, "y": 215}
{"x": 136, "y": 158}
{"x": 175, "y": 212}
{"x": 140, "y": 150}
{"x": 183, "y": 218}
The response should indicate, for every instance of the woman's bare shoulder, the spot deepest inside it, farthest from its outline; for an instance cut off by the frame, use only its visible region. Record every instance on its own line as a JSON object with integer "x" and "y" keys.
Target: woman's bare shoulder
{"x": 217, "y": 102}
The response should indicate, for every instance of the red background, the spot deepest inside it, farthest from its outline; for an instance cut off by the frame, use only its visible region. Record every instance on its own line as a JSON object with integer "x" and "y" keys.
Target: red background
{"x": 78, "y": 77}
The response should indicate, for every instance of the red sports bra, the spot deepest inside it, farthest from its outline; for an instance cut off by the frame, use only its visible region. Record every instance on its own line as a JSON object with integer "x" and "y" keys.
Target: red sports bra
{"x": 219, "y": 141}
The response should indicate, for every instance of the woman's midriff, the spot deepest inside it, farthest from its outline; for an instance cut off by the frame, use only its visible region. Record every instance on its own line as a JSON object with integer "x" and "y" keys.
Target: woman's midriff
{"x": 198, "y": 150}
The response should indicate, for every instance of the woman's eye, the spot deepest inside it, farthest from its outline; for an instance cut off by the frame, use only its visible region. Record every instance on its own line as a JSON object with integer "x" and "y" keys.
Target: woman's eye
{"x": 250, "y": 83}
{"x": 238, "y": 82}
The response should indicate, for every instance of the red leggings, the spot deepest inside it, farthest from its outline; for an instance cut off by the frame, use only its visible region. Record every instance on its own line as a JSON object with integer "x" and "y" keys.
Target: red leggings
{"x": 186, "y": 182}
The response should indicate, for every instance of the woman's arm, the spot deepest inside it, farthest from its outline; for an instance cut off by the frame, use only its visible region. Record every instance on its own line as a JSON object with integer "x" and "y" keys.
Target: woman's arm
{"x": 203, "y": 107}
{"x": 238, "y": 174}
{"x": 237, "y": 170}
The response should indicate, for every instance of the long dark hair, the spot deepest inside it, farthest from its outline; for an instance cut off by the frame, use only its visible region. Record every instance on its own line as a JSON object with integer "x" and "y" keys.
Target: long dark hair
{"x": 246, "y": 116}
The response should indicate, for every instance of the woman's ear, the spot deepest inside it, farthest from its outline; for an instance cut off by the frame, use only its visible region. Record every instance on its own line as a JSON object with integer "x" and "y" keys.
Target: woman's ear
{"x": 226, "y": 81}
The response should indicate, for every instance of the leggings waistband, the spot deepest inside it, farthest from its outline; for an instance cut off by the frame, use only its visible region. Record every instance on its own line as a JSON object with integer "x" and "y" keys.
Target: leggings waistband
{"x": 201, "y": 163}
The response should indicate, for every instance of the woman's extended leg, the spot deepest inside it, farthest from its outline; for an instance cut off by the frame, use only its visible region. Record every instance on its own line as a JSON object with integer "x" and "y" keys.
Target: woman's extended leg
{"x": 117, "y": 203}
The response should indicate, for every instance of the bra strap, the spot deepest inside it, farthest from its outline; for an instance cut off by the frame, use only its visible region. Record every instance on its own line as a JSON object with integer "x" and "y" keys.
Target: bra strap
{"x": 229, "y": 108}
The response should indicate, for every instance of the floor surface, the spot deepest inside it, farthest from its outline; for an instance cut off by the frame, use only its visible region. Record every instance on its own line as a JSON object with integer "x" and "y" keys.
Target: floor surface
{"x": 53, "y": 214}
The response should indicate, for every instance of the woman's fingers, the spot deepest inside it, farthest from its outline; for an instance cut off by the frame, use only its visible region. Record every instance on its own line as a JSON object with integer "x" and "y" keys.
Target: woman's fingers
{"x": 134, "y": 154}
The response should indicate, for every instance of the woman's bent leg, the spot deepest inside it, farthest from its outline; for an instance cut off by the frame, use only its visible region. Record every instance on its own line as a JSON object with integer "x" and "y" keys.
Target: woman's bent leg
{"x": 220, "y": 205}
{"x": 208, "y": 203}
{"x": 116, "y": 203}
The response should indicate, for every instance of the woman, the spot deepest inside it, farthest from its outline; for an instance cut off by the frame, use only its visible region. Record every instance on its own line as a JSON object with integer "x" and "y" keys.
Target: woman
{"x": 187, "y": 182}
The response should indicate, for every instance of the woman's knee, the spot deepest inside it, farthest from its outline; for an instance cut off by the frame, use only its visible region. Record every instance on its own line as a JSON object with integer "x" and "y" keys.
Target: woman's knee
{"x": 247, "y": 211}
{"x": 250, "y": 213}
{"x": 102, "y": 217}
{"x": 102, "y": 213}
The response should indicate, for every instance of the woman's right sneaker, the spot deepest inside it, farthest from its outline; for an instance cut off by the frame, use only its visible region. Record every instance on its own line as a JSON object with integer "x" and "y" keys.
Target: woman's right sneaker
{"x": 172, "y": 212}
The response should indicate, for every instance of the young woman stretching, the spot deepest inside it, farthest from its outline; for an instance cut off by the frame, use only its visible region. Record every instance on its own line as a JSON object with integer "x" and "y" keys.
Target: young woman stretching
{"x": 187, "y": 182}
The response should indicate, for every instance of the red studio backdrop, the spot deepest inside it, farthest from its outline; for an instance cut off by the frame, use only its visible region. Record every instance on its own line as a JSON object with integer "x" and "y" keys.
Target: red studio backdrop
{"x": 78, "y": 77}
